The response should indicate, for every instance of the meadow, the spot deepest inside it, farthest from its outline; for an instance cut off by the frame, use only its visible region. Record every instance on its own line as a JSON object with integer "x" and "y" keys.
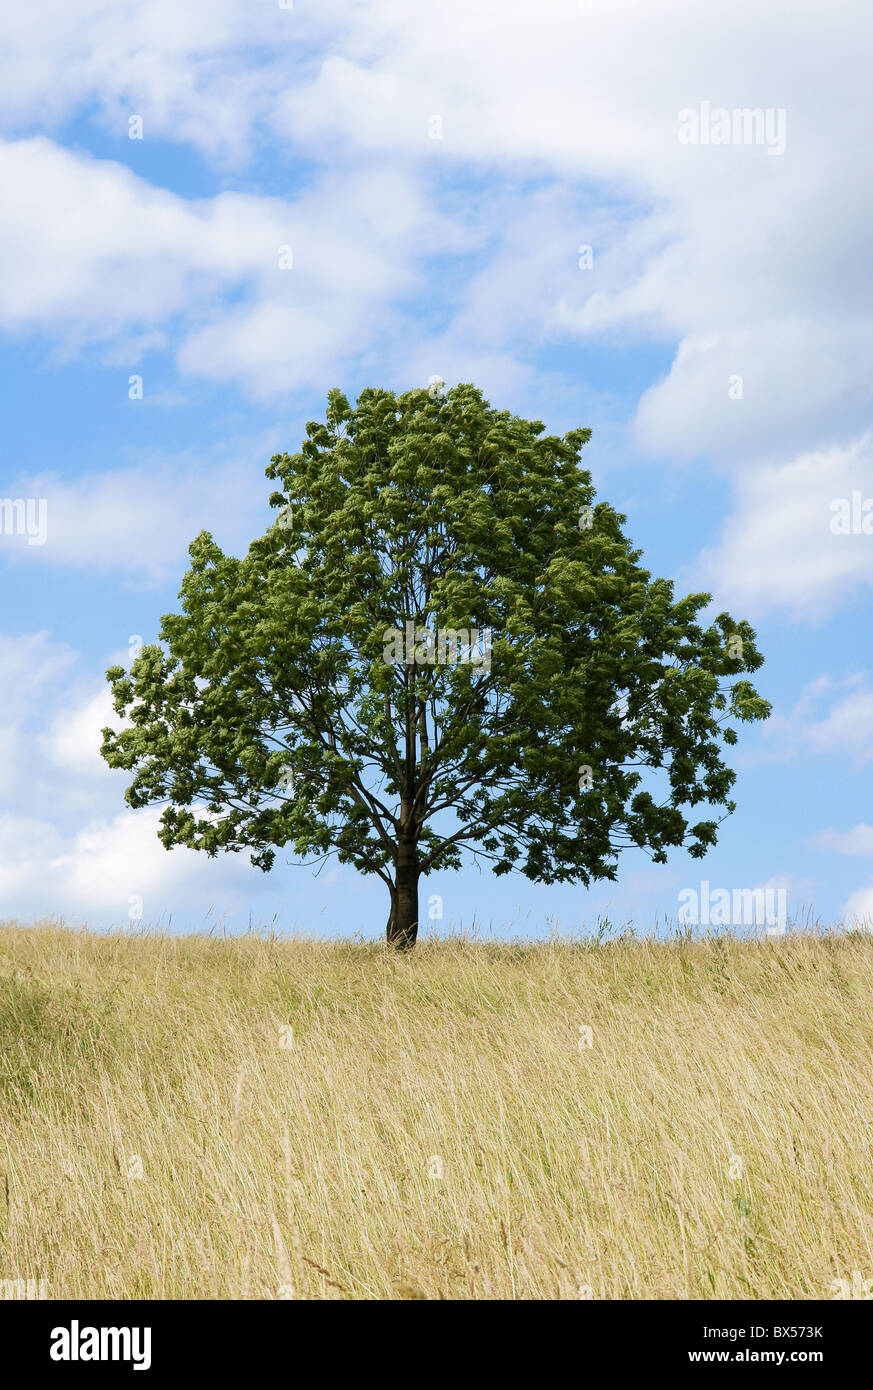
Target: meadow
{"x": 263, "y": 1117}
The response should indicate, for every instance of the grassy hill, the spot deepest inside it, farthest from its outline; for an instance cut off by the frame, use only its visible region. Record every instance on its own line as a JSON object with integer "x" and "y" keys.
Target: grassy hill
{"x": 260, "y": 1118}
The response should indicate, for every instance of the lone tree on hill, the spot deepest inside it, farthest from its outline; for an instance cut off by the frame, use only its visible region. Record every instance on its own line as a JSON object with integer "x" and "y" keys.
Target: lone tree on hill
{"x": 442, "y": 643}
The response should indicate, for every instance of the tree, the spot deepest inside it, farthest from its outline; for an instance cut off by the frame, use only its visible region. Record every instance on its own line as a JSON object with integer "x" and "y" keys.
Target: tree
{"x": 442, "y": 644}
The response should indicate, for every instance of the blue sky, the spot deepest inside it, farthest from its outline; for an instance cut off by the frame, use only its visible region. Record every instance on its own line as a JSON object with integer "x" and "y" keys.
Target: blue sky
{"x": 436, "y": 173}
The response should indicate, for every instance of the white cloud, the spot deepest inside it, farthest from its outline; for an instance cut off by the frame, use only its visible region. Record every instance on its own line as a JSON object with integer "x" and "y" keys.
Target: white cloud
{"x": 858, "y": 909}
{"x": 95, "y": 255}
{"x": 777, "y": 548}
{"x": 111, "y": 861}
{"x": 188, "y": 70}
{"x": 734, "y": 256}
{"x": 847, "y": 727}
{"x": 140, "y": 519}
{"x": 831, "y": 718}
{"x": 29, "y": 663}
{"x": 857, "y": 841}
{"x": 88, "y": 858}
{"x": 50, "y": 738}
{"x": 26, "y": 845}
{"x": 91, "y": 250}
{"x": 110, "y": 868}
{"x": 31, "y": 667}
{"x": 74, "y": 738}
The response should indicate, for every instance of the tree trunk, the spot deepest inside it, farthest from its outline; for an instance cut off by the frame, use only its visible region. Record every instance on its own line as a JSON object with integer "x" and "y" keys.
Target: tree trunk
{"x": 403, "y": 919}
{"x": 392, "y": 917}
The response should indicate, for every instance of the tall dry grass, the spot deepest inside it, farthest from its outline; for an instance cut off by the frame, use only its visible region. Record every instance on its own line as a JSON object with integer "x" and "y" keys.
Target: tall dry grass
{"x": 258, "y": 1118}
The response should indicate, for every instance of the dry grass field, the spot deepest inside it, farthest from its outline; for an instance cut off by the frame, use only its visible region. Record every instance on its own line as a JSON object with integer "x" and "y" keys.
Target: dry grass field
{"x": 190, "y": 1117}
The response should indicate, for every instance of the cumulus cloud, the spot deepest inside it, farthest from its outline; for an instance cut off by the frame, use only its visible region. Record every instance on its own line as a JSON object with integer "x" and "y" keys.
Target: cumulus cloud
{"x": 858, "y": 909}
{"x": 85, "y": 858}
{"x": 273, "y": 293}
{"x": 712, "y": 259}
{"x": 785, "y": 545}
{"x": 90, "y": 249}
{"x": 31, "y": 668}
{"x": 50, "y": 736}
{"x": 857, "y": 841}
{"x": 139, "y": 519}
{"x": 119, "y": 866}
{"x": 196, "y": 73}
{"x": 112, "y": 871}
{"x": 400, "y": 101}
{"x": 831, "y": 718}
{"x": 74, "y": 737}
{"x": 26, "y": 845}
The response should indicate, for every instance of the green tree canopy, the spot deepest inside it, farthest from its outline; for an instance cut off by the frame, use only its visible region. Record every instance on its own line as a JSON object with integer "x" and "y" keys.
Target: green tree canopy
{"x": 443, "y": 643}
